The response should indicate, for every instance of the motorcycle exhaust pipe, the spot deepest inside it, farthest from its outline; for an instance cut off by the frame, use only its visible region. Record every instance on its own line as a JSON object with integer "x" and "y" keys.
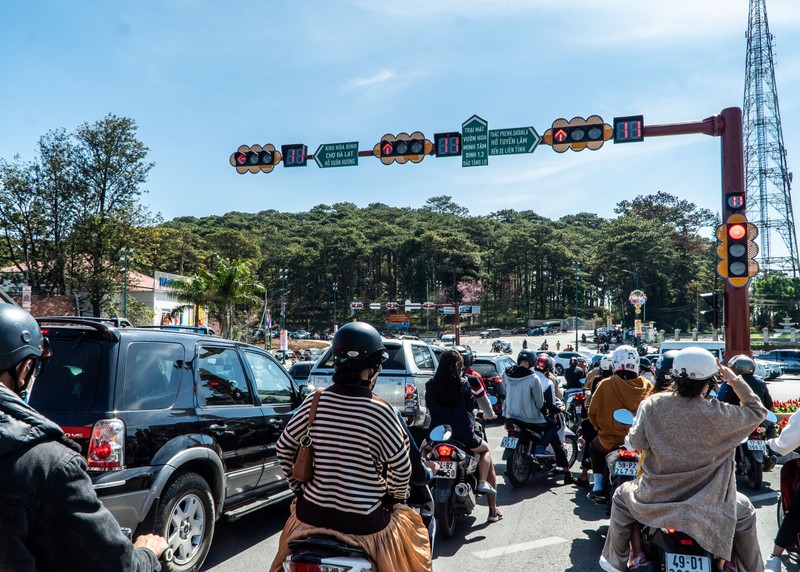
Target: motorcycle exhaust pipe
{"x": 465, "y": 496}
{"x": 462, "y": 489}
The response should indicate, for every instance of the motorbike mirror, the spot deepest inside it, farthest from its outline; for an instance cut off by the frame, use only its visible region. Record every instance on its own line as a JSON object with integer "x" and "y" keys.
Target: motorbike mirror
{"x": 623, "y": 416}
{"x": 441, "y": 433}
{"x": 712, "y": 394}
{"x": 492, "y": 400}
{"x": 771, "y": 417}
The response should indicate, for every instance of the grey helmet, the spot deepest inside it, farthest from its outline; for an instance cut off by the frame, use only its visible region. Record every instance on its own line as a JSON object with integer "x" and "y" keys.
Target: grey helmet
{"x": 743, "y": 365}
{"x": 20, "y": 336}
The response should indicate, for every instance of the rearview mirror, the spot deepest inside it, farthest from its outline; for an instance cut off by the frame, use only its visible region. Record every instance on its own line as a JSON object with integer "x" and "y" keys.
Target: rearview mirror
{"x": 441, "y": 433}
{"x": 771, "y": 417}
{"x": 623, "y": 416}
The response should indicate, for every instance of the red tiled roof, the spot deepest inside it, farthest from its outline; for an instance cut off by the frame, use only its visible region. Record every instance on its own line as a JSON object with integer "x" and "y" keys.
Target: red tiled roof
{"x": 49, "y": 305}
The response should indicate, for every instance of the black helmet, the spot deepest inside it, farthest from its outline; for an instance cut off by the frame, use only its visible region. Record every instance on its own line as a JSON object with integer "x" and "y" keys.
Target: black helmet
{"x": 743, "y": 365}
{"x": 358, "y": 346}
{"x": 644, "y": 363}
{"x": 20, "y": 336}
{"x": 664, "y": 365}
{"x": 467, "y": 356}
{"x": 528, "y": 356}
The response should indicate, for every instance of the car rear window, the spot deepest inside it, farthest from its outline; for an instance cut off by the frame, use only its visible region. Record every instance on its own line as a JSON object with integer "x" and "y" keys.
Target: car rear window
{"x": 152, "y": 375}
{"x": 300, "y": 370}
{"x": 485, "y": 368}
{"x": 69, "y": 379}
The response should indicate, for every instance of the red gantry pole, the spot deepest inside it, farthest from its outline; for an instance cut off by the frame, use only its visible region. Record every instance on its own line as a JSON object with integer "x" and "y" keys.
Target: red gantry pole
{"x": 728, "y": 126}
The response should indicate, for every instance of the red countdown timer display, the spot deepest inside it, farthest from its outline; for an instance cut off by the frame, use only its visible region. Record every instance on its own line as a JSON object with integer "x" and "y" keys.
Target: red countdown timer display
{"x": 447, "y": 144}
{"x": 735, "y": 201}
{"x": 294, "y": 155}
{"x": 629, "y": 129}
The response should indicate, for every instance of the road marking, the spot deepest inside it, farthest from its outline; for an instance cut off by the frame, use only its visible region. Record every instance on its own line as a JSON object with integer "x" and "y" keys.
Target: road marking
{"x": 521, "y": 547}
{"x": 766, "y": 496}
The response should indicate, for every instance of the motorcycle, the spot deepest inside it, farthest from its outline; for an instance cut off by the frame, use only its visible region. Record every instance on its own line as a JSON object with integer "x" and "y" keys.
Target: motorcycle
{"x": 752, "y": 453}
{"x": 575, "y": 403}
{"x": 455, "y": 487}
{"x": 520, "y": 445}
{"x": 328, "y": 553}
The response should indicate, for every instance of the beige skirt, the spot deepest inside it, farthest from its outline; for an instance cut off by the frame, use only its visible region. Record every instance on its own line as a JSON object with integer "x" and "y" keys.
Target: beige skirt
{"x": 402, "y": 546}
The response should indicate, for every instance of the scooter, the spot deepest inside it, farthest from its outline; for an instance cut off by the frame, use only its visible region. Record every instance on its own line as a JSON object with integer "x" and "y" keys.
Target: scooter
{"x": 520, "y": 445}
{"x": 575, "y": 402}
{"x": 752, "y": 454}
{"x": 455, "y": 487}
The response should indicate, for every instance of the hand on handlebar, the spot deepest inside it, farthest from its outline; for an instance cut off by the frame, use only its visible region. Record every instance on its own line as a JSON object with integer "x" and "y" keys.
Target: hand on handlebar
{"x": 156, "y": 544}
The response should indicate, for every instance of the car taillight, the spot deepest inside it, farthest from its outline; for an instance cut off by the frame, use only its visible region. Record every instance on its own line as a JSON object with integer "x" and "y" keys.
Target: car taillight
{"x": 445, "y": 451}
{"x": 496, "y": 379}
{"x": 310, "y": 567}
{"x": 411, "y": 390}
{"x": 107, "y": 446}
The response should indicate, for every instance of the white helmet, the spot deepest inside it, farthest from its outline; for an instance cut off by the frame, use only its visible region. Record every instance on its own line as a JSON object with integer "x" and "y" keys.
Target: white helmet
{"x": 695, "y": 363}
{"x": 625, "y": 358}
{"x": 605, "y": 363}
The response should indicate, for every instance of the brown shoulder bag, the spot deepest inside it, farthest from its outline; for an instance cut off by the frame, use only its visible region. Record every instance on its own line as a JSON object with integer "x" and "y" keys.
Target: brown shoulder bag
{"x": 303, "y": 468}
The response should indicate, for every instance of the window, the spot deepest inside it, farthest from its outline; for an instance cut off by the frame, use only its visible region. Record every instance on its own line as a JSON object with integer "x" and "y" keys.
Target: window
{"x": 397, "y": 357}
{"x": 69, "y": 379}
{"x": 222, "y": 380}
{"x": 152, "y": 375}
{"x": 271, "y": 382}
{"x": 485, "y": 368}
{"x": 422, "y": 357}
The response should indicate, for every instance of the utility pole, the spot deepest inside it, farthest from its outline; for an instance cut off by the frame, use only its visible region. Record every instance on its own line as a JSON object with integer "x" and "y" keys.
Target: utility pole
{"x": 577, "y": 266}
{"x": 127, "y": 258}
{"x": 335, "y": 288}
{"x": 282, "y": 275}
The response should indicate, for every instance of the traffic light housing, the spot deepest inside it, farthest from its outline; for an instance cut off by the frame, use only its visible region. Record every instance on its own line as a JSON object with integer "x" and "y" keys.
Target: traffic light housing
{"x": 578, "y": 134}
{"x": 255, "y": 158}
{"x": 402, "y": 148}
{"x": 714, "y": 302}
{"x": 737, "y": 250}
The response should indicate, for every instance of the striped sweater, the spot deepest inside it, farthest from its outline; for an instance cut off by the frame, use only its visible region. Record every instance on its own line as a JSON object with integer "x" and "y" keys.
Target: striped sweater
{"x": 361, "y": 460}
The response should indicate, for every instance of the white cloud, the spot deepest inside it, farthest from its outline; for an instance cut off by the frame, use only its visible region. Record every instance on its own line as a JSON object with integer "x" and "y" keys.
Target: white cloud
{"x": 380, "y": 77}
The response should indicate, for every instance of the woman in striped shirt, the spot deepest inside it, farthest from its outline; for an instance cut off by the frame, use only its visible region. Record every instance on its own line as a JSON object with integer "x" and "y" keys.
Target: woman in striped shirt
{"x": 361, "y": 463}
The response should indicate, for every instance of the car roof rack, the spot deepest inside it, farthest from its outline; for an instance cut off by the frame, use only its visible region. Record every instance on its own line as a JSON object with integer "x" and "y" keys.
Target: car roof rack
{"x": 108, "y": 332}
{"x": 190, "y": 329}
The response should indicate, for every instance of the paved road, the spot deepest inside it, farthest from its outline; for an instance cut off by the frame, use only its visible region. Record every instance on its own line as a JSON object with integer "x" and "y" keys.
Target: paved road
{"x": 547, "y": 527}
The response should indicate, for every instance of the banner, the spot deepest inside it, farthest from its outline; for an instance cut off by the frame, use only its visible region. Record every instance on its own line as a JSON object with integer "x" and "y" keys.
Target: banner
{"x": 398, "y": 318}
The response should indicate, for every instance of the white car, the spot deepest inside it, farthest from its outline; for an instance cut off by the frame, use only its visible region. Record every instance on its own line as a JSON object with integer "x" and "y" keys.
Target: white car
{"x": 563, "y": 359}
{"x": 768, "y": 369}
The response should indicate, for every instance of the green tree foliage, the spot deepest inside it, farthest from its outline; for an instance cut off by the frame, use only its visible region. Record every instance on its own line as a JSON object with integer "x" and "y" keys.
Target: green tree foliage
{"x": 229, "y": 285}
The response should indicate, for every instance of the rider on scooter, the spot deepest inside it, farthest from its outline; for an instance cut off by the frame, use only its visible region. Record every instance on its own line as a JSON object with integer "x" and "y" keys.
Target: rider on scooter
{"x": 361, "y": 463}
{"x": 687, "y": 480}
{"x": 625, "y": 389}
{"x": 525, "y": 402}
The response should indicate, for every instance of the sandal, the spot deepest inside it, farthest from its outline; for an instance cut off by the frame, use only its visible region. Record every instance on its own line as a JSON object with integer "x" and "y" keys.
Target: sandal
{"x": 494, "y": 518}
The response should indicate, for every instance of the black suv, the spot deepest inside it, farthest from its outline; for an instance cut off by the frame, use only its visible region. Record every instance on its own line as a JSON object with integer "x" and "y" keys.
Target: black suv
{"x": 178, "y": 428}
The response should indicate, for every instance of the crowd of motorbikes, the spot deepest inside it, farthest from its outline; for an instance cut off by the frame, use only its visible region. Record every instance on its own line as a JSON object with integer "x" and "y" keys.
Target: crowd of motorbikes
{"x": 452, "y": 493}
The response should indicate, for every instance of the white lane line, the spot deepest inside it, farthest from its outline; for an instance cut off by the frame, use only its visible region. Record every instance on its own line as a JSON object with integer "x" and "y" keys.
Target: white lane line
{"x": 766, "y": 496}
{"x": 520, "y": 547}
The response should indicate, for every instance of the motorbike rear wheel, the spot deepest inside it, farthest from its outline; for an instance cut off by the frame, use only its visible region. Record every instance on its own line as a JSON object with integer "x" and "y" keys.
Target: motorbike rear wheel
{"x": 755, "y": 474}
{"x": 445, "y": 519}
{"x": 518, "y": 467}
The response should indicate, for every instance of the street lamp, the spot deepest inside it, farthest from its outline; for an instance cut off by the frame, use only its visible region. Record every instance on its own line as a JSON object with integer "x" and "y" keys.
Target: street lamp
{"x": 636, "y": 287}
{"x": 335, "y": 289}
{"x": 577, "y": 266}
{"x": 126, "y": 259}
{"x": 282, "y": 275}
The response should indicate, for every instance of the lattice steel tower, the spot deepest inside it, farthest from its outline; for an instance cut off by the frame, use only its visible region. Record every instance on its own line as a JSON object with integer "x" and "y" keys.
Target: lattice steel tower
{"x": 768, "y": 180}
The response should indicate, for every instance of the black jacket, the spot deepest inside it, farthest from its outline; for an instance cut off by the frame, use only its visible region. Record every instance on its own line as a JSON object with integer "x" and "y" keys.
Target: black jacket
{"x": 50, "y": 517}
{"x": 573, "y": 376}
{"x": 757, "y": 384}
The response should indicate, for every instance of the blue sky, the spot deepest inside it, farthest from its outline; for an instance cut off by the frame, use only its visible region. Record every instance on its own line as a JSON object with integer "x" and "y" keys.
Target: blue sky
{"x": 201, "y": 78}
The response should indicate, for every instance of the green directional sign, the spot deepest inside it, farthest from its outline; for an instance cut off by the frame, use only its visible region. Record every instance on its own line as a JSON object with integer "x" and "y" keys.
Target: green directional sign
{"x": 513, "y": 141}
{"x": 475, "y": 142}
{"x": 337, "y": 155}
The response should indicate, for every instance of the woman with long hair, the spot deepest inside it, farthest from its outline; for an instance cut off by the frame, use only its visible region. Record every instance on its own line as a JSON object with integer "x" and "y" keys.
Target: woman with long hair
{"x": 450, "y": 400}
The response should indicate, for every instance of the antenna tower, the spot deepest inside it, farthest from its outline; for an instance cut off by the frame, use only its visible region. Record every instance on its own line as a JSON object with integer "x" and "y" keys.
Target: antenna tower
{"x": 768, "y": 180}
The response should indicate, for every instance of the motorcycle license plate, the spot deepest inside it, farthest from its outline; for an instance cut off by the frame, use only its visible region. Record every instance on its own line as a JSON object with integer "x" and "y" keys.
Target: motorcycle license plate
{"x": 509, "y": 442}
{"x": 756, "y": 445}
{"x": 579, "y": 409}
{"x": 687, "y": 563}
{"x": 447, "y": 470}
{"x": 626, "y": 468}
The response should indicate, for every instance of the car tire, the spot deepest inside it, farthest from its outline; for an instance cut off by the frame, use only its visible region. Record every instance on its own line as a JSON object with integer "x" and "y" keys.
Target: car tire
{"x": 185, "y": 517}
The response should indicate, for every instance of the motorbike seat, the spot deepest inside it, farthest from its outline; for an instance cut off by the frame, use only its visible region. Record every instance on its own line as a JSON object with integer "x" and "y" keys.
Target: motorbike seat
{"x": 326, "y": 546}
{"x": 529, "y": 426}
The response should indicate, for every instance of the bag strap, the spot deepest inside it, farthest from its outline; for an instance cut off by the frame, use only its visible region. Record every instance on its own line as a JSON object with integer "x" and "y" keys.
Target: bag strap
{"x": 314, "y": 404}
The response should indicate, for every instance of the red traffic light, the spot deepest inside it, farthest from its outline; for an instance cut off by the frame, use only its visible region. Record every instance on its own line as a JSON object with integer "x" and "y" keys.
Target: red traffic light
{"x": 737, "y": 231}
{"x": 240, "y": 158}
{"x": 559, "y": 136}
